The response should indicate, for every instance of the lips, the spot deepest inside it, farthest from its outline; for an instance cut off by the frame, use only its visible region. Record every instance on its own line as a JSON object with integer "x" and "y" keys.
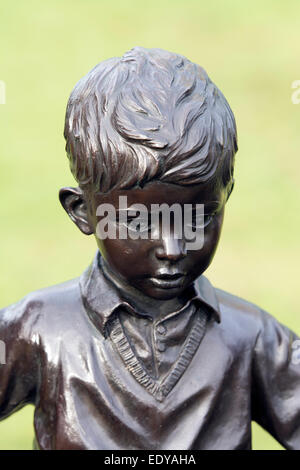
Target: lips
{"x": 167, "y": 280}
{"x": 170, "y": 276}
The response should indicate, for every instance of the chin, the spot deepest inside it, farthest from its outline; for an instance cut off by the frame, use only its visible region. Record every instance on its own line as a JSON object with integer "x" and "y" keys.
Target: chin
{"x": 164, "y": 294}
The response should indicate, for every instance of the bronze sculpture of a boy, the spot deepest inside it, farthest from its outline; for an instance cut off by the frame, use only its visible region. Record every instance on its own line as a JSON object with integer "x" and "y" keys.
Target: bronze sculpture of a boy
{"x": 141, "y": 351}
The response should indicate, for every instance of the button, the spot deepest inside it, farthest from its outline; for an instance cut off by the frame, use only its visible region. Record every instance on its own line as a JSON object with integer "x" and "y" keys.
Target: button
{"x": 161, "y": 329}
{"x": 161, "y": 347}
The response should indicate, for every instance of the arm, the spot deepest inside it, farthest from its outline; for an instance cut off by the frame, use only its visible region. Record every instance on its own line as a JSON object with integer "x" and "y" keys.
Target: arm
{"x": 18, "y": 358}
{"x": 276, "y": 382}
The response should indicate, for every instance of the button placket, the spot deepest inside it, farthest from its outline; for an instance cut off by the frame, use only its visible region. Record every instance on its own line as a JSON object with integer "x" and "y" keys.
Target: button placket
{"x": 160, "y": 332}
{"x": 161, "y": 329}
{"x": 161, "y": 347}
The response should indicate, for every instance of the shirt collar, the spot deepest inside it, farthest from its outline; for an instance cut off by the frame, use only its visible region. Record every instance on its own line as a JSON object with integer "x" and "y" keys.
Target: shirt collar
{"x": 101, "y": 299}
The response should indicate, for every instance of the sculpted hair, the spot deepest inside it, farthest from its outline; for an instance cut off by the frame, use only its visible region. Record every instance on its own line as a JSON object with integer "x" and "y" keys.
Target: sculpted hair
{"x": 150, "y": 114}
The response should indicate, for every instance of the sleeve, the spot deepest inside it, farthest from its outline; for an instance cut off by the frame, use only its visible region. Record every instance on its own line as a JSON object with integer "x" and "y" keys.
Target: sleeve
{"x": 18, "y": 357}
{"x": 276, "y": 382}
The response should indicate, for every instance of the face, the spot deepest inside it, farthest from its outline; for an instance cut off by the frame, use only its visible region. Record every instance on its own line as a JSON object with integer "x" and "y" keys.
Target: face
{"x": 161, "y": 267}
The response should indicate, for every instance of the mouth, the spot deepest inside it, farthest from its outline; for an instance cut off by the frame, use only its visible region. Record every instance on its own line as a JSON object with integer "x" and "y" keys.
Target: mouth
{"x": 168, "y": 280}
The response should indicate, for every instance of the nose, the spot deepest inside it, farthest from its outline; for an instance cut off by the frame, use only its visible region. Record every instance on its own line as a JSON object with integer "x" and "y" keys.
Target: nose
{"x": 171, "y": 249}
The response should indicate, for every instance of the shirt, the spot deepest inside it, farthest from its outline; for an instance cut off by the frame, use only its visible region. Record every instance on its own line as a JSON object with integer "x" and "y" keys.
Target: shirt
{"x": 156, "y": 345}
{"x": 100, "y": 378}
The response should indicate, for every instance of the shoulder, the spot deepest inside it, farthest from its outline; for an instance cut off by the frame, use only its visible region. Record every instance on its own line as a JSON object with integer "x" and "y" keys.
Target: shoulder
{"x": 233, "y": 304}
{"x": 246, "y": 324}
{"x": 45, "y": 304}
{"x": 241, "y": 314}
{"x": 250, "y": 317}
{"x": 60, "y": 295}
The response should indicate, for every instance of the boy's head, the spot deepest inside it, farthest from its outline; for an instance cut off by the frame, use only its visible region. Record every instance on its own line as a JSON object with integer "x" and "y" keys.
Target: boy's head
{"x": 149, "y": 115}
{"x": 152, "y": 126}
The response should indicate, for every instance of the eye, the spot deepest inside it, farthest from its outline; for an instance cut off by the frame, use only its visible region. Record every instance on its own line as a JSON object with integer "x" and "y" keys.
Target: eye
{"x": 137, "y": 224}
{"x": 208, "y": 218}
{"x": 202, "y": 221}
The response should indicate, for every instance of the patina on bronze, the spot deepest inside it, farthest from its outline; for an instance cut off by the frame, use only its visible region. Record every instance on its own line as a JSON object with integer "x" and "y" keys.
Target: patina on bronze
{"x": 141, "y": 351}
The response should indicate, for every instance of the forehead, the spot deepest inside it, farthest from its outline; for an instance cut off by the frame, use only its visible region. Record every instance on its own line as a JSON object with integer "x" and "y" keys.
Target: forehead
{"x": 158, "y": 192}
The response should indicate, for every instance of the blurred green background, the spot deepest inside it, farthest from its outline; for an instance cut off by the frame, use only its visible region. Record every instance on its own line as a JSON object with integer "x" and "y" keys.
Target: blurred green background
{"x": 250, "y": 49}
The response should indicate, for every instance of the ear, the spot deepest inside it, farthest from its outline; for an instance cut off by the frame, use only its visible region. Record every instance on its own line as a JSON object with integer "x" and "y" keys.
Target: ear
{"x": 72, "y": 200}
{"x": 230, "y": 189}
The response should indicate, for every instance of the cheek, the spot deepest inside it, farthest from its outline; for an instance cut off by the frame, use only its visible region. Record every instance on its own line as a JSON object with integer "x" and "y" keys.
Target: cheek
{"x": 129, "y": 258}
{"x": 212, "y": 235}
{"x": 116, "y": 251}
{"x": 202, "y": 258}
